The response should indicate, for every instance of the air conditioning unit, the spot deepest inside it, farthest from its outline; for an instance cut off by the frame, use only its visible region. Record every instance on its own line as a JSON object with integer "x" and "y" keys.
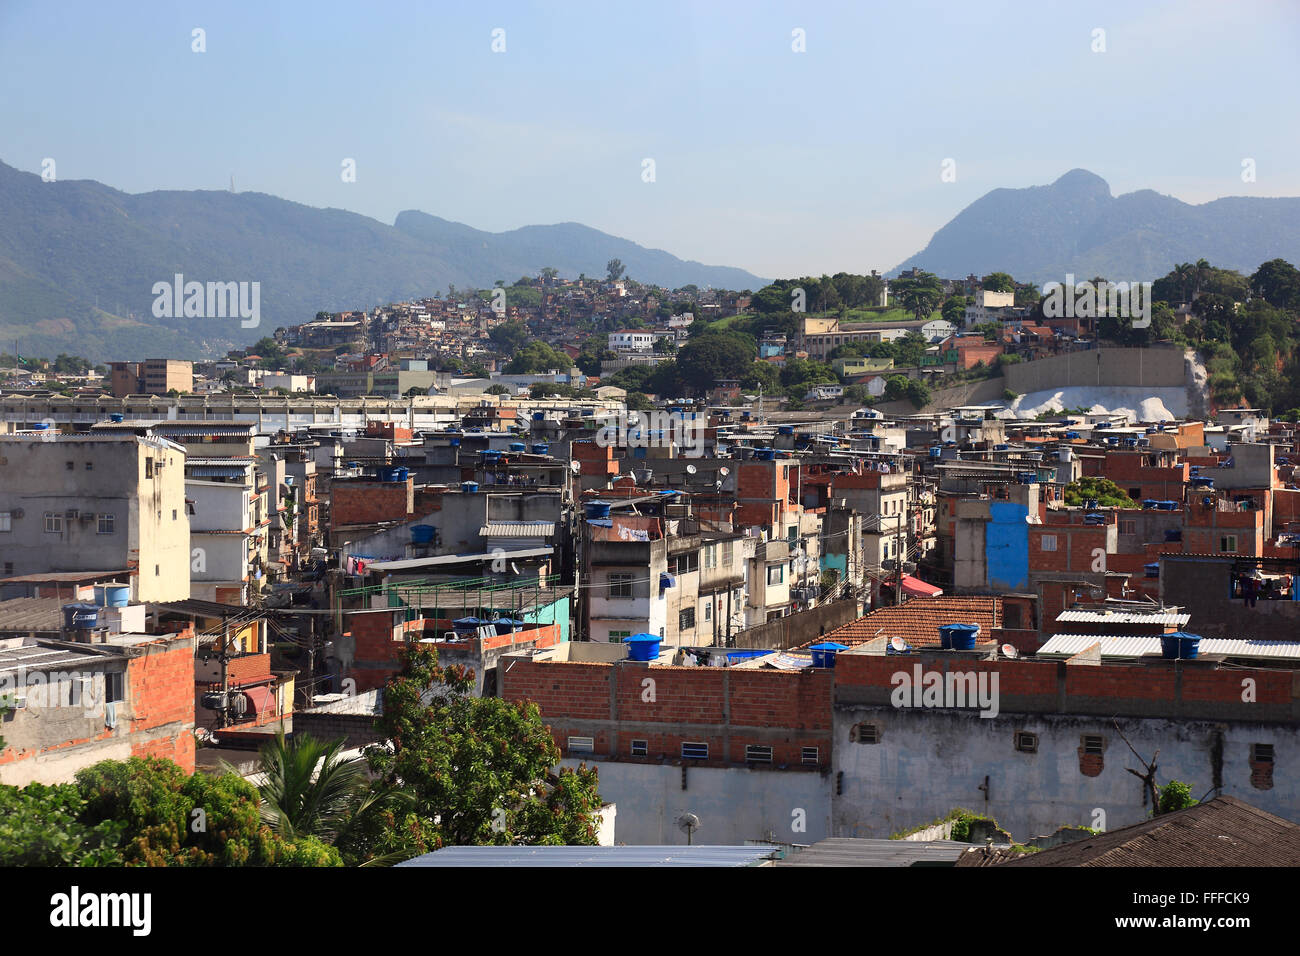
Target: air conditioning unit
{"x": 72, "y": 513}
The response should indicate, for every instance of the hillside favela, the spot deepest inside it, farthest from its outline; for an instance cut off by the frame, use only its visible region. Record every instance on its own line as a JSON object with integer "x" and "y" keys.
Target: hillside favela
{"x": 327, "y": 542}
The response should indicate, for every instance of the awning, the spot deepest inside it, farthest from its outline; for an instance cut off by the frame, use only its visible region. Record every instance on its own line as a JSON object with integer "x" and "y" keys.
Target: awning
{"x": 262, "y": 698}
{"x": 918, "y": 588}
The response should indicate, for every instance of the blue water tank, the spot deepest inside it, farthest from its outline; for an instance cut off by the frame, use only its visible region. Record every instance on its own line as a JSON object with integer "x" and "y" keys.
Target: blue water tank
{"x": 823, "y": 654}
{"x": 1180, "y": 646}
{"x": 541, "y": 449}
{"x": 422, "y": 533}
{"x": 112, "y": 595}
{"x": 80, "y": 616}
{"x": 116, "y": 418}
{"x": 598, "y": 509}
{"x": 539, "y": 416}
{"x": 469, "y": 487}
{"x": 642, "y": 647}
{"x": 958, "y": 637}
{"x": 518, "y": 447}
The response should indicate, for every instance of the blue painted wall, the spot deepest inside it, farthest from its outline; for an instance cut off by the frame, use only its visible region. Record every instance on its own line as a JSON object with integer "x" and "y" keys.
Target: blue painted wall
{"x": 1006, "y": 546}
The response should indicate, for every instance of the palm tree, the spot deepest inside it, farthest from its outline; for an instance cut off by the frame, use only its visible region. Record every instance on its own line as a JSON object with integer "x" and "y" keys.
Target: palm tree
{"x": 308, "y": 789}
{"x": 1200, "y": 273}
{"x": 1184, "y": 272}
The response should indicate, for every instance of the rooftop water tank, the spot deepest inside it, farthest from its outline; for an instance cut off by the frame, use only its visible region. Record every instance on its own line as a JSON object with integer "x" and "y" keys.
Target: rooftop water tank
{"x": 541, "y": 449}
{"x": 112, "y": 595}
{"x": 78, "y": 617}
{"x": 642, "y": 647}
{"x": 823, "y": 654}
{"x": 422, "y": 533}
{"x": 597, "y": 509}
{"x": 518, "y": 447}
{"x": 116, "y": 417}
{"x": 469, "y": 487}
{"x": 958, "y": 637}
{"x": 1180, "y": 646}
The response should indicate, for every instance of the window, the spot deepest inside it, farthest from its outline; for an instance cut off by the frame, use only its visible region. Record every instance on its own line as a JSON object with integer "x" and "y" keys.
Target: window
{"x": 695, "y": 751}
{"x": 1261, "y": 753}
{"x": 865, "y": 734}
{"x": 618, "y": 637}
{"x": 1011, "y": 619}
{"x": 9, "y": 568}
{"x": 757, "y": 754}
{"x": 1128, "y": 526}
{"x": 708, "y": 611}
{"x": 6, "y": 521}
{"x": 1135, "y": 494}
{"x": 686, "y": 620}
{"x": 53, "y": 522}
{"x": 685, "y": 563}
{"x": 710, "y": 557}
{"x": 582, "y": 745}
{"x": 107, "y": 524}
{"x": 90, "y": 466}
{"x": 1027, "y": 743}
{"x": 1228, "y": 542}
{"x": 1093, "y": 744}
{"x": 776, "y": 574}
{"x": 173, "y": 514}
{"x": 810, "y": 755}
{"x": 640, "y": 748}
{"x": 620, "y": 585}
{"x": 726, "y": 554}
{"x": 69, "y": 465}
{"x": 148, "y": 467}
{"x": 114, "y": 687}
{"x": 1049, "y": 542}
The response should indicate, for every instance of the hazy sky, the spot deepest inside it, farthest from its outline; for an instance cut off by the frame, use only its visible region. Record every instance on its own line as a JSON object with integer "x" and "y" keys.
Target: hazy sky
{"x": 780, "y": 162}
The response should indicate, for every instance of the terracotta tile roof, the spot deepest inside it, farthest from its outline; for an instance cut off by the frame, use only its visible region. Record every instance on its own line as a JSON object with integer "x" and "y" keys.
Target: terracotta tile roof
{"x": 917, "y": 621}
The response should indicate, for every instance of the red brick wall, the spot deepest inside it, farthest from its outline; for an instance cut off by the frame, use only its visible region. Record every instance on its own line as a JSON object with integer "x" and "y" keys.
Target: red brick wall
{"x": 690, "y": 704}
{"x": 249, "y": 669}
{"x": 367, "y": 502}
{"x": 161, "y": 690}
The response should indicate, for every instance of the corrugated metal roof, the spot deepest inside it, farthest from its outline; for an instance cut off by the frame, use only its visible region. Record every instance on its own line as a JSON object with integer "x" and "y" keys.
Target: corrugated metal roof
{"x": 517, "y": 529}
{"x": 847, "y": 851}
{"x": 1067, "y": 645}
{"x": 594, "y": 856}
{"x": 1125, "y": 617}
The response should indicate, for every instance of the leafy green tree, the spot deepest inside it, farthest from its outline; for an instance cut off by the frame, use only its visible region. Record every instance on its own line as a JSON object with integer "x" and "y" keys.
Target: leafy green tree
{"x": 1174, "y": 796}
{"x": 510, "y": 336}
{"x": 954, "y": 310}
{"x": 479, "y": 769}
{"x": 536, "y": 358}
{"x": 719, "y": 355}
{"x": 177, "y": 820}
{"x": 998, "y": 282}
{"x": 614, "y": 269}
{"x": 1102, "y": 490}
{"x": 920, "y": 294}
{"x": 593, "y": 353}
{"x": 1277, "y": 282}
{"x": 665, "y": 346}
{"x": 497, "y": 389}
{"x": 41, "y": 826}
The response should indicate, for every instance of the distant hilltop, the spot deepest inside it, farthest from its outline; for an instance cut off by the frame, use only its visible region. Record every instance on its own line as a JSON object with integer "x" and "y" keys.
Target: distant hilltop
{"x": 79, "y": 261}
{"x": 1075, "y": 225}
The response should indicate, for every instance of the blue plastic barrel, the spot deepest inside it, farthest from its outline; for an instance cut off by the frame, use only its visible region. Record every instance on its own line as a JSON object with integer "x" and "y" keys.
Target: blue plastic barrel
{"x": 422, "y": 533}
{"x": 1180, "y": 646}
{"x": 642, "y": 647}
{"x": 823, "y": 654}
{"x": 80, "y": 616}
{"x": 113, "y": 595}
{"x": 958, "y": 637}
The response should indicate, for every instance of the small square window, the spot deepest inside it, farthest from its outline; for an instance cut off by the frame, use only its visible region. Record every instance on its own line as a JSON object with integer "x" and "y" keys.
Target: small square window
{"x": 866, "y": 734}
{"x": 810, "y": 755}
{"x": 1261, "y": 753}
{"x": 90, "y": 466}
{"x": 1027, "y": 743}
{"x": 107, "y": 524}
{"x": 695, "y": 751}
{"x": 757, "y": 754}
{"x": 582, "y": 745}
{"x": 640, "y": 748}
{"x": 114, "y": 687}
{"x": 70, "y": 465}
{"x": 1049, "y": 542}
{"x": 1093, "y": 744}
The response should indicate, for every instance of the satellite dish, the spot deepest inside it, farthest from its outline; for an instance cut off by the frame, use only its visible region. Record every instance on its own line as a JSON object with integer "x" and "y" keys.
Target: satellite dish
{"x": 688, "y": 822}
{"x": 691, "y": 469}
{"x": 1009, "y": 652}
{"x": 898, "y": 644}
{"x": 575, "y": 467}
{"x": 724, "y": 471}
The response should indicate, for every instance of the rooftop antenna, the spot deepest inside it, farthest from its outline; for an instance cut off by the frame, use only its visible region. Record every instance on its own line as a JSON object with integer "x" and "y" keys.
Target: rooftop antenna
{"x": 232, "y": 182}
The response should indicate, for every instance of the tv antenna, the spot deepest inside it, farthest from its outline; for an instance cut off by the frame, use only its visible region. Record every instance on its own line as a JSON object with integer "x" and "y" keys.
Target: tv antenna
{"x": 690, "y": 823}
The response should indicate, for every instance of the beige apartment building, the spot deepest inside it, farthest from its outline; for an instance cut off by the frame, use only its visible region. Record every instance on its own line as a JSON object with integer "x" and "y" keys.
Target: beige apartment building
{"x": 151, "y": 377}
{"x": 110, "y": 502}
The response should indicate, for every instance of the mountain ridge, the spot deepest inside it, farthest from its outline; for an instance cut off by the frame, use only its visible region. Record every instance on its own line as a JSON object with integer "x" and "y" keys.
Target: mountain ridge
{"x": 78, "y": 261}
{"x": 1075, "y": 225}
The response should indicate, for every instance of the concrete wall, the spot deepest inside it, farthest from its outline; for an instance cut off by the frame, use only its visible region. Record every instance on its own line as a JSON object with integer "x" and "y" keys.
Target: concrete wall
{"x": 796, "y": 629}
{"x": 1126, "y": 368}
{"x": 733, "y": 804}
{"x": 930, "y": 761}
